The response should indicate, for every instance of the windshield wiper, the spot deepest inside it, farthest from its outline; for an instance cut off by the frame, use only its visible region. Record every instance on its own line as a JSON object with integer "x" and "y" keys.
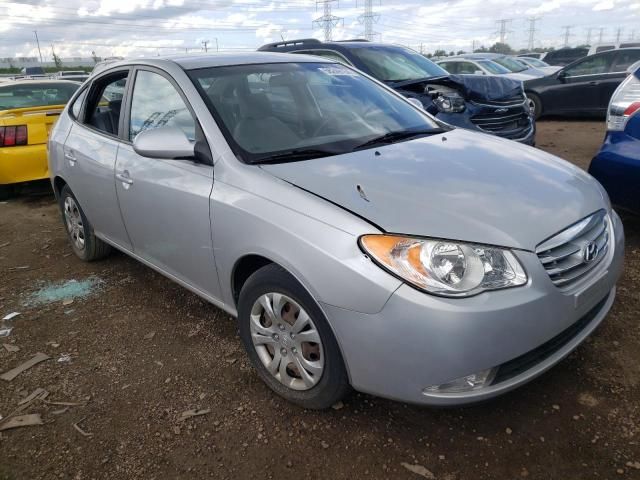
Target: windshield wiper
{"x": 297, "y": 154}
{"x": 392, "y": 137}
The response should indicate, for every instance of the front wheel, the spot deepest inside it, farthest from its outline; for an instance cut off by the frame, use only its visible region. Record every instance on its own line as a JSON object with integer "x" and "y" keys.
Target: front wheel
{"x": 289, "y": 341}
{"x": 83, "y": 241}
{"x": 535, "y": 105}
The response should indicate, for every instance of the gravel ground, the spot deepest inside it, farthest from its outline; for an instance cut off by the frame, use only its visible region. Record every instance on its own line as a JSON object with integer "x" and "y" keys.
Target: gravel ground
{"x": 143, "y": 350}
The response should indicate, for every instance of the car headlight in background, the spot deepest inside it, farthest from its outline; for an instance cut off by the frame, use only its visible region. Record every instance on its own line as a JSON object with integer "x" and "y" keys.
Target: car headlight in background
{"x": 443, "y": 267}
{"x": 449, "y": 103}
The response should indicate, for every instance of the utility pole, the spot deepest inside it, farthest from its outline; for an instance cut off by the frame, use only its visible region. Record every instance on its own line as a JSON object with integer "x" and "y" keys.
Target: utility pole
{"x": 368, "y": 18}
{"x": 589, "y": 32}
{"x": 503, "y": 30}
{"x": 204, "y": 45}
{"x": 327, "y": 21}
{"x": 601, "y": 35}
{"x": 473, "y": 46}
{"x": 567, "y": 34}
{"x": 532, "y": 31}
{"x": 35, "y": 32}
{"x": 619, "y": 34}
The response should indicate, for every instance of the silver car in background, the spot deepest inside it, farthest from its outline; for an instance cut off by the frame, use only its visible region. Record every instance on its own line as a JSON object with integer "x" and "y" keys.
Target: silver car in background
{"x": 359, "y": 242}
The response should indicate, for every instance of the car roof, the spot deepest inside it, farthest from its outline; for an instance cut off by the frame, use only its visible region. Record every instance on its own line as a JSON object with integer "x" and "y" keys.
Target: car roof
{"x": 192, "y": 62}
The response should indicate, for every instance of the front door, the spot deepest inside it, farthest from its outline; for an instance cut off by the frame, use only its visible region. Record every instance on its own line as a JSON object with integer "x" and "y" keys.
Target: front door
{"x": 165, "y": 203}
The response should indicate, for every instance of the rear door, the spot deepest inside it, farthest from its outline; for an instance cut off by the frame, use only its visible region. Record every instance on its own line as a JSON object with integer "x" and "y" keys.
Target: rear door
{"x": 90, "y": 155}
{"x": 165, "y": 203}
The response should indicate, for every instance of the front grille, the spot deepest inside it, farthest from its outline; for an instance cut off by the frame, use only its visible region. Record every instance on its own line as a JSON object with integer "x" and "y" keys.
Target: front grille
{"x": 571, "y": 254}
{"x": 525, "y": 362}
{"x": 514, "y": 100}
{"x": 511, "y": 124}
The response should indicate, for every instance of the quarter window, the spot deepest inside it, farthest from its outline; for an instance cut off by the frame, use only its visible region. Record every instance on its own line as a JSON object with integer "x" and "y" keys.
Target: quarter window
{"x": 77, "y": 104}
{"x": 625, "y": 60}
{"x": 156, "y": 103}
{"x": 104, "y": 103}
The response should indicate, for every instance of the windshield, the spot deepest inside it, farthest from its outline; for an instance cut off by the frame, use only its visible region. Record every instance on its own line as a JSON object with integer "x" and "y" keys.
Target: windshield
{"x": 510, "y": 64}
{"x": 493, "y": 67}
{"x": 395, "y": 64}
{"x": 32, "y": 94}
{"x": 267, "y": 110}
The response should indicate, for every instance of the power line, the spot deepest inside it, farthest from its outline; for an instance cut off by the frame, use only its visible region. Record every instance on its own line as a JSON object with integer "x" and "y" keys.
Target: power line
{"x": 532, "y": 31}
{"x": 504, "y": 31}
{"x": 567, "y": 34}
{"x": 327, "y": 21}
{"x": 368, "y": 19}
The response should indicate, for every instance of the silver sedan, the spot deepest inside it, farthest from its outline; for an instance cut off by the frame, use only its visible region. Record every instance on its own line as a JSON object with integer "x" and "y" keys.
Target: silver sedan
{"x": 359, "y": 242}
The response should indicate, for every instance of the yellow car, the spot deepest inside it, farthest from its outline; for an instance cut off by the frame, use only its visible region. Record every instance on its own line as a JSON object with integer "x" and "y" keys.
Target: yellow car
{"x": 28, "y": 110}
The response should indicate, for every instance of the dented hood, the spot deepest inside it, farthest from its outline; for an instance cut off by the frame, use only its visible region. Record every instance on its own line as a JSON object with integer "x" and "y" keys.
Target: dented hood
{"x": 469, "y": 187}
{"x": 472, "y": 87}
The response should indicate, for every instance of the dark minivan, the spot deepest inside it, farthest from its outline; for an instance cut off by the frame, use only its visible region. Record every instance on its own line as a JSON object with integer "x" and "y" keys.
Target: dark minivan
{"x": 487, "y": 104}
{"x": 582, "y": 88}
{"x": 565, "y": 56}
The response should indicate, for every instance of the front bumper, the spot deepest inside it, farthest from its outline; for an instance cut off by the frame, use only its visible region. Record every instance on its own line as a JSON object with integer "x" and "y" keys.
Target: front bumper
{"x": 419, "y": 340}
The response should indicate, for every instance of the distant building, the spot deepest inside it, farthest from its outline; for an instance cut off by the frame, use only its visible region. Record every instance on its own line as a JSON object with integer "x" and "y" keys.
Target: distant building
{"x": 19, "y": 62}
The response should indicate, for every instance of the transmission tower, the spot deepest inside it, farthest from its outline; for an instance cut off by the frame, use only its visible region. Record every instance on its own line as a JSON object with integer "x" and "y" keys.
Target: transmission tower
{"x": 632, "y": 35}
{"x": 619, "y": 34}
{"x": 503, "y": 30}
{"x": 601, "y": 35}
{"x": 589, "y": 34}
{"x": 327, "y": 21}
{"x": 368, "y": 19}
{"x": 532, "y": 31}
{"x": 567, "y": 34}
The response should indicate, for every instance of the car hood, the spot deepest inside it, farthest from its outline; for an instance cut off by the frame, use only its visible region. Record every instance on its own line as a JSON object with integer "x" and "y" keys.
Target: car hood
{"x": 472, "y": 87}
{"x": 457, "y": 185}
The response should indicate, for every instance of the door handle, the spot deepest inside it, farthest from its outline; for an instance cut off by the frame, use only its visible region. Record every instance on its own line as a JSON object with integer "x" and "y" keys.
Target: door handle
{"x": 593, "y": 83}
{"x": 124, "y": 178}
{"x": 70, "y": 157}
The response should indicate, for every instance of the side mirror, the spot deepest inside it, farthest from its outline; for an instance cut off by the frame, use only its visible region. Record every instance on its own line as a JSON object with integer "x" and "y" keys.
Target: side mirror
{"x": 562, "y": 75}
{"x": 478, "y": 72}
{"x": 415, "y": 102}
{"x": 164, "y": 142}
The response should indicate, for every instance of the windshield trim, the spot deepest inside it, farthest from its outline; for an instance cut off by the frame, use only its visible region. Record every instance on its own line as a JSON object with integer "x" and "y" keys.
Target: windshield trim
{"x": 343, "y": 146}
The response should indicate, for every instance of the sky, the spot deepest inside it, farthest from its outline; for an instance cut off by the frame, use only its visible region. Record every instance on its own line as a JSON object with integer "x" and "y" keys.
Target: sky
{"x": 154, "y": 27}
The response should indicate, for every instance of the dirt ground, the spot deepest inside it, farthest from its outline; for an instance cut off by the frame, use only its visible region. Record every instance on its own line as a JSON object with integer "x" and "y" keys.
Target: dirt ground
{"x": 142, "y": 350}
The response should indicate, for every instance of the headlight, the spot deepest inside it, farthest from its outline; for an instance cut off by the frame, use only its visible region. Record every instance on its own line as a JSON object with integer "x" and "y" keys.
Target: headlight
{"x": 443, "y": 267}
{"x": 450, "y": 103}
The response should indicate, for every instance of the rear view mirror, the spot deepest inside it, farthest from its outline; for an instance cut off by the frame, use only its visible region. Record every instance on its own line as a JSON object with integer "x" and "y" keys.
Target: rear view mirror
{"x": 164, "y": 142}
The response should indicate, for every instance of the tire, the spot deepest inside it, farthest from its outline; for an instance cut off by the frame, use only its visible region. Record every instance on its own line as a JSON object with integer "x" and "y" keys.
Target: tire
{"x": 78, "y": 228}
{"x": 290, "y": 301}
{"x": 5, "y": 192}
{"x": 536, "y": 104}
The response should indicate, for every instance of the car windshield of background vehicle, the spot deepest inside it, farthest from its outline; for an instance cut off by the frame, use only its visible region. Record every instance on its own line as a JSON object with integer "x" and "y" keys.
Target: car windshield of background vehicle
{"x": 493, "y": 67}
{"x": 295, "y": 111}
{"x": 534, "y": 62}
{"x": 510, "y": 64}
{"x": 25, "y": 95}
{"x": 396, "y": 64}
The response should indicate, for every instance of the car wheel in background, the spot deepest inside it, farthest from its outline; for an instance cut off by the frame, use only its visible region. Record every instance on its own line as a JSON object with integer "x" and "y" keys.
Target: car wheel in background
{"x": 83, "y": 241}
{"x": 289, "y": 341}
{"x": 535, "y": 104}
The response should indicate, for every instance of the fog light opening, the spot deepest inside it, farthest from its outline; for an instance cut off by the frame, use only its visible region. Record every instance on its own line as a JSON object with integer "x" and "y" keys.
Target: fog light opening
{"x": 468, "y": 383}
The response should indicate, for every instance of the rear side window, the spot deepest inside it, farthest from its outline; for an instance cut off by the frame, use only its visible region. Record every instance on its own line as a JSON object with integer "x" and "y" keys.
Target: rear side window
{"x": 467, "y": 68}
{"x": 156, "y": 103}
{"x": 625, "y": 59}
{"x": 451, "y": 67}
{"x": 605, "y": 49}
{"x": 104, "y": 103}
{"x": 32, "y": 94}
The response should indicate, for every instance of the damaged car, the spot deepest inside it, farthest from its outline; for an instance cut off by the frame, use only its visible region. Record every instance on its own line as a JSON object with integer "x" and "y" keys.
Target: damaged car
{"x": 359, "y": 242}
{"x": 492, "y": 105}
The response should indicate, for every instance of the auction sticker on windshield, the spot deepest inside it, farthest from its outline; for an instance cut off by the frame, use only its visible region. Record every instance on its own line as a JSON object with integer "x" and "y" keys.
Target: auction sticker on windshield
{"x": 338, "y": 71}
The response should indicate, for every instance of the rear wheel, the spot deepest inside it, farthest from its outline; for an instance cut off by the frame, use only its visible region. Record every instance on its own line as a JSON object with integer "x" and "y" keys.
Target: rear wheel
{"x": 83, "y": 241}
{"x": 289, "y": 341}
{"x": 535, "y": 105}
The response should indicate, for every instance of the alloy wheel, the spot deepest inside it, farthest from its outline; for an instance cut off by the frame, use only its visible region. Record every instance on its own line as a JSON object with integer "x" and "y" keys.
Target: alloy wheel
{"x": 75, "y": 226}
{"x": 287, "y": 341}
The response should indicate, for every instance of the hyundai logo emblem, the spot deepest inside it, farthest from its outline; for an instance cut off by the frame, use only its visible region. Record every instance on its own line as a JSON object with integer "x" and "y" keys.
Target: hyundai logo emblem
{"x": 501, "y": 110}
{"x": 590, "y": 252}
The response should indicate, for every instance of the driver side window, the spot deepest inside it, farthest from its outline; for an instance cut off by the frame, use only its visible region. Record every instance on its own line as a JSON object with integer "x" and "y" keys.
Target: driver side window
{"x": 590, "y": 66}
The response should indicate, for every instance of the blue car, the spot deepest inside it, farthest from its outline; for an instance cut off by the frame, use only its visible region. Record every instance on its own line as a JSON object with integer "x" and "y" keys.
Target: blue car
{"x": 617, "y": 164}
